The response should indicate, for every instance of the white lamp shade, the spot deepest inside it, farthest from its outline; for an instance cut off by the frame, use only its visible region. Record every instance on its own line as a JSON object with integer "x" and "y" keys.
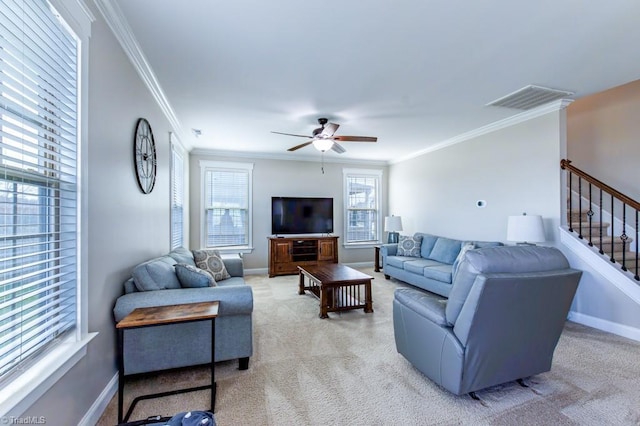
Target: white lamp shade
{"x": 525, "y": 228}
{"x": 323, "y": 144}
{"x": 393, "y": 223}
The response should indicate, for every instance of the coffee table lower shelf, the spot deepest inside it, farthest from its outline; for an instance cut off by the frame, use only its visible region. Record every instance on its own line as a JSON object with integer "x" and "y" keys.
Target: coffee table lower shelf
{"x": 339, "y": 287}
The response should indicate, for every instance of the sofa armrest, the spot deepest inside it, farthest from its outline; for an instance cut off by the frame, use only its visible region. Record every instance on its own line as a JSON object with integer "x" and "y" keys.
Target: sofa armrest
{"x": 234, "y": 265}
{"x": 234, "y": 300}
{"x": 389, "y": 249}
{"x": 424, "y": 304}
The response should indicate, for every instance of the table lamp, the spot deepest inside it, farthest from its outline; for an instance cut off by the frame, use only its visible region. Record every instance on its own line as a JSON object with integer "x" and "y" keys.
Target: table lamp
{"x": 393, "y": 224}
{"x": 525, "y": 229}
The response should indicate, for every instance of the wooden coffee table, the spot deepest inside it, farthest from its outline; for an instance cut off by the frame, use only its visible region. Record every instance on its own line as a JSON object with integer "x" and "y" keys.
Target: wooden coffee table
{"x": 339, "y": 287}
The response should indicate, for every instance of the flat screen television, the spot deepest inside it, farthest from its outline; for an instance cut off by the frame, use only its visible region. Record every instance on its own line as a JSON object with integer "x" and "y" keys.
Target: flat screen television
{"x": 301, "y": 215}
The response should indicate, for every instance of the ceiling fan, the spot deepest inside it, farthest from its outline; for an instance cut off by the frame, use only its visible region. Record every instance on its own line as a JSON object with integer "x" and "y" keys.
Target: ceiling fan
{"x": 323, "y": 138}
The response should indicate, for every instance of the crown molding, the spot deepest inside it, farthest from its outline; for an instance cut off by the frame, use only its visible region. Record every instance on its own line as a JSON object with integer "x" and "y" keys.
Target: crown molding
{"x": 492, "y": 127}
{"x": 268, "y": 156}
{"x": 120, "y": 27}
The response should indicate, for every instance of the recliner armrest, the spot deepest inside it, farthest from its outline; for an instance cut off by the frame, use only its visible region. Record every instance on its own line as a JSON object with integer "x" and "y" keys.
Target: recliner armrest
{"x": 424, "y": 304}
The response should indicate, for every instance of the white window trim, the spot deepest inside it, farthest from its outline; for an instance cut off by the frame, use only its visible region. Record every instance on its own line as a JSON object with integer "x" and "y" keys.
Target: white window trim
{"x": 20, "y": 393}
{"x": 378, "y": 173}
{"x": 179, "y": 149}
{"x": 229, "y": 165}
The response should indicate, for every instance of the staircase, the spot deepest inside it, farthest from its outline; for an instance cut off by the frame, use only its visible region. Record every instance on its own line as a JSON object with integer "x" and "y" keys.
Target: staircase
{"x": 599, "y": 236}
{"x": 607, "y": 230}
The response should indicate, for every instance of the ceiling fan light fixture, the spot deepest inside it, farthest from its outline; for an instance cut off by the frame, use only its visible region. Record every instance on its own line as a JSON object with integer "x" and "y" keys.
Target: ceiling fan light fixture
{"x": 323, "y": 144}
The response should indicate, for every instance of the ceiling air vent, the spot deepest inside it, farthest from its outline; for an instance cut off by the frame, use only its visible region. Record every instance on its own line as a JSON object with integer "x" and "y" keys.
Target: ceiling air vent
{"x": 530, "y": 97}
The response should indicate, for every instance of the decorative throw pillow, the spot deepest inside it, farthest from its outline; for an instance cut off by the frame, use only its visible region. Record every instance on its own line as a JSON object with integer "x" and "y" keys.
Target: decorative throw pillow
{"x": 463, "y": 250}
{"x": 156, "y": 274}
{"x": 445, "y": 250}
{"x": 210, "y": 261}
{"x": 409, "y": 246}
{"x": 193, "y": 277}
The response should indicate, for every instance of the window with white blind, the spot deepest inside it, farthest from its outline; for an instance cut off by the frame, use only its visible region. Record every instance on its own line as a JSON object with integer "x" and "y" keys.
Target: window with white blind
{"x": 38, "y": 181}
{"x": 226, "y": 199}
{"x": 177, "y": 197}
{"x": 362, "y": 203}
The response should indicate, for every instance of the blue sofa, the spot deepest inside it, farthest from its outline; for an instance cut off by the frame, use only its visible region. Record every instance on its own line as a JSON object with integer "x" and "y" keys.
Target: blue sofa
{"x": 154, "y": 348}
{"x": 432, "y": 265}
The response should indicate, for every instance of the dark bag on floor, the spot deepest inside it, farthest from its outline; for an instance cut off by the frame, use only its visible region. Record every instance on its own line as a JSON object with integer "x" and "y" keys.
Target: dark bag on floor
{"x": 192, "y": 418}
{"x": 188, "y": 418}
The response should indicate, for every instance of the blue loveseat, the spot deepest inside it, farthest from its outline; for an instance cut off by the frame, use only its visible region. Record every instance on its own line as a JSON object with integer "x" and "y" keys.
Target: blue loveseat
{"x": 430, "y": 262}
{"x": 154, "y": 348}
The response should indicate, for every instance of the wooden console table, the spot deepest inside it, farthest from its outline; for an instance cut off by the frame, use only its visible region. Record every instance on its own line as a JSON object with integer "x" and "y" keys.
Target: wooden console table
{"x": 162, "y": 315}
{"x": 376, "y": 261}
{"x": 286, "y": 254}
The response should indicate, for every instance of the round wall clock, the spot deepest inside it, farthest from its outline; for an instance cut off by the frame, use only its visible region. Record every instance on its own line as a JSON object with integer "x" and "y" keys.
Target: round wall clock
{"x": 144, "y": 154}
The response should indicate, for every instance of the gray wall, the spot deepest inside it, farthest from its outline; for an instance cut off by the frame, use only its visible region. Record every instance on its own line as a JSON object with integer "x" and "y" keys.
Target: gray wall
{"x": 284, "y": 178}
{"x": 603, "y": 135}
{"x": 124, "y": 226}
{"x": 515, "y": 169}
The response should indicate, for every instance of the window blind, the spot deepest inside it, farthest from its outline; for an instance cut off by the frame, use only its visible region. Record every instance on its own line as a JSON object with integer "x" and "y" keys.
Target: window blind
{"x": 177, "y": 199}
{"x": 38, "y": 180}
{"x": 227, "y": 207}
{"x": 362, "y": 205}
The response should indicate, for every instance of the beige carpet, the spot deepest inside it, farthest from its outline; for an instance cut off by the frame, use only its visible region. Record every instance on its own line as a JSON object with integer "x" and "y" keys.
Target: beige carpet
{"x": 345, "y": 371}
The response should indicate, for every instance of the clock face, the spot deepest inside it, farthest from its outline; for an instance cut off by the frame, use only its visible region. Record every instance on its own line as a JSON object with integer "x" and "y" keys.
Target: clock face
{"x": 144, "y": 154}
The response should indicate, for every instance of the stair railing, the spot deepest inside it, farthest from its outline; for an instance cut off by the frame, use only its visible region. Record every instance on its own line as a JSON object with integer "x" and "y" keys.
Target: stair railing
{"x": 613, "y": 196}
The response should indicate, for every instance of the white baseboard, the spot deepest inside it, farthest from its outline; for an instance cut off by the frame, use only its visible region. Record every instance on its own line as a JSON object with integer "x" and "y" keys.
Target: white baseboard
{"x": 256, "y": 271}
{"x": 605, "y": 325}
{"x": 95, "y": 411}
{"x": 360, "y": 264}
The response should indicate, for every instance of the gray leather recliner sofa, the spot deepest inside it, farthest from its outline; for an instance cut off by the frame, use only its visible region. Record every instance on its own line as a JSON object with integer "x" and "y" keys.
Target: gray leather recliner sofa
{"x": 502, "y": 321}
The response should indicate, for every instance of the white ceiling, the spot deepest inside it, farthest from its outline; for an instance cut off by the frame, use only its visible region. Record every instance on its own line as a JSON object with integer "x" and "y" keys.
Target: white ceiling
{"x": 414, "y": 73}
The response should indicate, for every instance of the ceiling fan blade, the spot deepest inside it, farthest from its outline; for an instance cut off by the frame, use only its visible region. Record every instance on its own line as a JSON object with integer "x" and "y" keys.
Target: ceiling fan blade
{"x": 355, "y": 138}
{"x": 338, "y": 148}
{"x": 291, "y": 134}
{"x": 329, "y": 129}
{"x": 302, "y": 145}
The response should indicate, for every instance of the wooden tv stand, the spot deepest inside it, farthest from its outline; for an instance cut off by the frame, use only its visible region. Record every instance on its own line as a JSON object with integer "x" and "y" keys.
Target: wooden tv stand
{"x": 286, "y": 254}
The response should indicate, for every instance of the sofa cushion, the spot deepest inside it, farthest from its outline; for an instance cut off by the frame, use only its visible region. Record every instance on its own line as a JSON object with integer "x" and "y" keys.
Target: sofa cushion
{"x": 399, "y": 261}
{"x": 210, "y": 261}
{"x": 409, "y": 246}
{"x": 417, "y": 266}
{"x": 130, "y": 286}
{"x": 428, "y": 241}
{"x": 438, "y": 273}
{"x": 465, "y": 247}
{"x": 182, "y": 255}
{"x": 445, "y": 250}
{"x": 233, "y": 281}
{"x": 193, "y": 277}
{"x": 156, "y": 274}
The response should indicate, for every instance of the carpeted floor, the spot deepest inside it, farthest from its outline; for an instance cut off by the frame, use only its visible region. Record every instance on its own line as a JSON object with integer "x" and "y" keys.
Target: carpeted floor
{"x": 345, "y": 371}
